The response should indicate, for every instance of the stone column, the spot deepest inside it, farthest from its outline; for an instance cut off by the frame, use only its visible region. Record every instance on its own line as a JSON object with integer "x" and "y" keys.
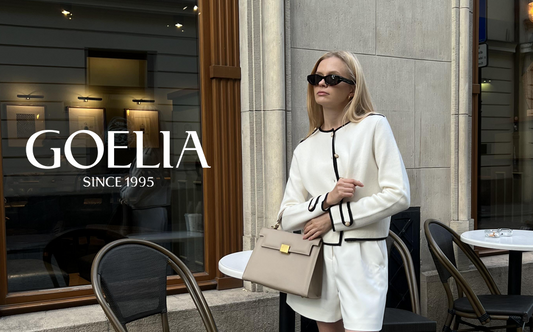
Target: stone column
{"x": 461, "y": 122}
{"x": 263, "y": 113}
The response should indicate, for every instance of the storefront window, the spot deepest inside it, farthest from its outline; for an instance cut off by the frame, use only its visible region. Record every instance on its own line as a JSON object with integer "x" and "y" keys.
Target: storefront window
{"x": 506, "y": 123}
{"x": 121, "y": 72}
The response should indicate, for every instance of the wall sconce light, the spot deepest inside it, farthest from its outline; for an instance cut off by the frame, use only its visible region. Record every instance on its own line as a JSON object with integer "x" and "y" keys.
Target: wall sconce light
{"x": 86, "y": 99}
{"x": 28, "y": 97}
{"x": 139, "y": 101}
{"x": 66, "y": 10}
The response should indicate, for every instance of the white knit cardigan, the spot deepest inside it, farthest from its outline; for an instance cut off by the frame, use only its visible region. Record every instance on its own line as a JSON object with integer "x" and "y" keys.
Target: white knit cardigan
{"x": 365, "y": 151}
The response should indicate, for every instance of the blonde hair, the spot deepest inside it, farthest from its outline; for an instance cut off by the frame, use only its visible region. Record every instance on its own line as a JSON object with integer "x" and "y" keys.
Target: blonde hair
{"x": 358, "y": 108}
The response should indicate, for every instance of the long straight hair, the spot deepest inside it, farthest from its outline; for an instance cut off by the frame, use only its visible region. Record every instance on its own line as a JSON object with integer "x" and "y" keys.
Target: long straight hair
{"x": 357, "y": 108}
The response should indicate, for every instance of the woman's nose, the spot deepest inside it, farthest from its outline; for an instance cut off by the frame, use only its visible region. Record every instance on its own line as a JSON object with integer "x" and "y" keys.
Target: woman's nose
{"x": 323, "y": 82}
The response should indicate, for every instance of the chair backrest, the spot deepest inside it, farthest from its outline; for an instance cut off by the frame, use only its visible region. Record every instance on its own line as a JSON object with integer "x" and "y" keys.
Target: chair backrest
{"x": 395, "y": 241}
{"x": 441, "y": 239}
{"x": 129, "y": 279}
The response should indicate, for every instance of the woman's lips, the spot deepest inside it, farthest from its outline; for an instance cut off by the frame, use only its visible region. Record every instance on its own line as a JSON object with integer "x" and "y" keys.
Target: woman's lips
{"x": 322, "y": 93}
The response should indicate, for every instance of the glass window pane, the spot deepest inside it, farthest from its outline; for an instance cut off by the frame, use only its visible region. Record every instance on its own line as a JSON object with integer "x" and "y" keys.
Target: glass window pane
{"x": 98, "y": 67}
{"x": 506, "y": 128}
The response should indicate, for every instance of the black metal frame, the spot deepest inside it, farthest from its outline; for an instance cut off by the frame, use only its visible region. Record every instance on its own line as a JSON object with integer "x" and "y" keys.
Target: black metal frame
{"x": 174, "y": 262}
{"x": 447, "y": 269}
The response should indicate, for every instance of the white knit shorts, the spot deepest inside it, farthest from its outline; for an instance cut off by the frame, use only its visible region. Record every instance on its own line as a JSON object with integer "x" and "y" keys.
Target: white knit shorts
{"x": 354, "y": 286}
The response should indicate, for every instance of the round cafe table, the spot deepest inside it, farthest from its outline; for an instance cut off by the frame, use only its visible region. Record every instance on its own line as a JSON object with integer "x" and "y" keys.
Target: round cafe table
{"x": 233, "y": 265}
{"x": 519, "y": 242}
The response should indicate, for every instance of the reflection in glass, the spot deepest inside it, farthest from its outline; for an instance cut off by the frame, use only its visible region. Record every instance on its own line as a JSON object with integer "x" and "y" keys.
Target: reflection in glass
{"x": 89, "y": 66}
{"x": 505, "y": 195}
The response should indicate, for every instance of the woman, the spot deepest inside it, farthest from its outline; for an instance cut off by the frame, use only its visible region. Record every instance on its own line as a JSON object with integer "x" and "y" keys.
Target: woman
{"x": 346, "y": 179}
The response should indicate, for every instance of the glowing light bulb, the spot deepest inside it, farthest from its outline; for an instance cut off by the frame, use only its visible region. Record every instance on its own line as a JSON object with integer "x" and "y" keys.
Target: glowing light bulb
{"x": 195, "y": 8}
{"x": 178, "y": 25}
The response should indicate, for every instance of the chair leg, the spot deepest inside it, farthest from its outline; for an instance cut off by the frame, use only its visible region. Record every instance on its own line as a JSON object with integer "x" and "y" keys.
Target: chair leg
{"x": 448, "y": 322}
{"x": 456, "y": 323}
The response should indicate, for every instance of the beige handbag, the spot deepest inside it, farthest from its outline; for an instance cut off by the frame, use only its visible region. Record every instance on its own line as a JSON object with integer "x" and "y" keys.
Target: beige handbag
{"x": 286, "y": 262}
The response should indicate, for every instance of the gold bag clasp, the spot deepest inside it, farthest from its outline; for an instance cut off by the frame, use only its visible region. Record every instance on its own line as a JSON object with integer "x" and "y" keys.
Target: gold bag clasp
{"x": 285, "y": 248}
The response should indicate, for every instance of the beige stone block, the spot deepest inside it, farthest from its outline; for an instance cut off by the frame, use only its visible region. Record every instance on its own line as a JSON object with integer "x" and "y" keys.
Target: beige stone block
{"x": 299, "y": 126}
{"x": 302, "y": 62}
{"x": 247, "y": 172}
{"x": 432, "y": 113}
{"x": 433, "y": 301}
{"x": 414, "y": 29}
{"x": 274, "y": 164}
{"x": 402, "y": 124}
{"x": 334, "y": 25}
{"x": 390, "y": 82}
{"x": 435, "y": 204}
{"x": 414, "y": 184}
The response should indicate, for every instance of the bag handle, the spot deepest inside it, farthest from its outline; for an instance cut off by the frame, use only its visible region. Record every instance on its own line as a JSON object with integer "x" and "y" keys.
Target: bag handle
{"x": 278, "y": 222}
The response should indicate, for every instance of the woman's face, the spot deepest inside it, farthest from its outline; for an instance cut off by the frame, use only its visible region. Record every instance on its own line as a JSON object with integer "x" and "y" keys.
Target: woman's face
{"x": 336, "y": 96}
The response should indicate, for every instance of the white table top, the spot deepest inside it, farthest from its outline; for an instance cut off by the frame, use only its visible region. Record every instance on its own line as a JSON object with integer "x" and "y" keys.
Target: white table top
{"x": 233, "y": 265}
{"x": 519, "y": 241}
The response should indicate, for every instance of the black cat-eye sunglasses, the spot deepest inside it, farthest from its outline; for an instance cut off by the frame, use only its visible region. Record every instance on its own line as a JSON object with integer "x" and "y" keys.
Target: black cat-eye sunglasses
{"x": 314, "y": 79}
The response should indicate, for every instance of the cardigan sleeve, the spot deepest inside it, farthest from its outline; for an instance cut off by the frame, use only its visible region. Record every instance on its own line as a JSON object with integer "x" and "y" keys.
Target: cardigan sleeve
{"x": 295, "y": 211}
{"x": 393, "y": 181}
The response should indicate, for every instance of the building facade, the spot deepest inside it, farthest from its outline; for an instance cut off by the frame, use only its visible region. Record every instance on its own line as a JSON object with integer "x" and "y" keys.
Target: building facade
{"x": 463, "y": 129}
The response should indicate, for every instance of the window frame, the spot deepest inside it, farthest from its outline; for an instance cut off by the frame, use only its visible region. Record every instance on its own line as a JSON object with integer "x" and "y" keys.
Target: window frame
{"x": 220, "y": 75}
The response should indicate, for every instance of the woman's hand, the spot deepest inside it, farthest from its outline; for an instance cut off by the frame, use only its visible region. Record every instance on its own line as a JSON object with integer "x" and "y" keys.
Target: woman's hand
{"x": 343, "y": 189}
{"x": 317, "y": 227}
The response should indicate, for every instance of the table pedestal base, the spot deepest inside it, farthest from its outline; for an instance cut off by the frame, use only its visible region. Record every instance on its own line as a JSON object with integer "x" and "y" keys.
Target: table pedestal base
{"x": 287, "y": 318}
{"x": 514, "y": 277}
{"x": 286, "y": 315}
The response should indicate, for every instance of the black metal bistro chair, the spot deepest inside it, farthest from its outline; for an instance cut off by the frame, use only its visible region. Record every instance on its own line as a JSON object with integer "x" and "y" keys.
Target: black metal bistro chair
{"x": 400, "y": 320}
{"x": 129, "y": 279}
{"x": 484, "y": 308}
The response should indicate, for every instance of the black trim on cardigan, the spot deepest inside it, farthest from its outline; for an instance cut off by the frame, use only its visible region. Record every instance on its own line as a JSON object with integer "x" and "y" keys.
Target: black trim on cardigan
{"x": 332, "y": 129}
{"x": 324, "y": 201}
{"x": 335, "y": 244}
{"x": 333, "y": 157}
{"x": 349, "y": 213}
{"x": 331, "y": 219}
{"x": 342, "y": 214}
{"x": 311, "y": 209}
{"x": 314, "y": 131}
{"x": 354, "y": 239}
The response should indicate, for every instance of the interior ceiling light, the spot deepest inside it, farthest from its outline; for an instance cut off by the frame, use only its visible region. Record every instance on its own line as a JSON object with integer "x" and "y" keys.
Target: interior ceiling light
{"x": 195, "y": 8}
{"x": 179, "y": 25}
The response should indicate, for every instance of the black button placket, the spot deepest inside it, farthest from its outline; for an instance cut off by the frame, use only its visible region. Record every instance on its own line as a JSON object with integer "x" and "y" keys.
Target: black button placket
{"x": 334, "y": 156}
